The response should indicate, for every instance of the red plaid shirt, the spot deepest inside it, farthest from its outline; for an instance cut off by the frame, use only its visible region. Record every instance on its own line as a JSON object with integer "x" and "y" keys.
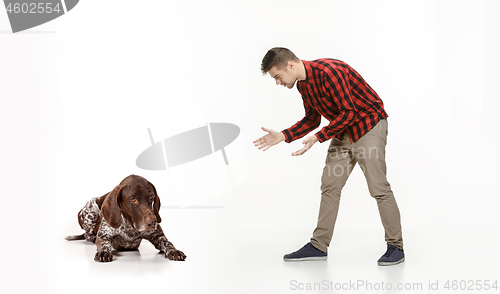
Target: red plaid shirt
{"x": 336, "y": 91}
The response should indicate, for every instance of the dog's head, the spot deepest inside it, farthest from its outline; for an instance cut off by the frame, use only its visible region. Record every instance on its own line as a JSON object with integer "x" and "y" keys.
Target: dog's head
{"x": 136, "y": 199}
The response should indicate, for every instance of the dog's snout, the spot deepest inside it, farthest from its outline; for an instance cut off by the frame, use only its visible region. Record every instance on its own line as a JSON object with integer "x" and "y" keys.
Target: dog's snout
{"x": 150, "y": 221}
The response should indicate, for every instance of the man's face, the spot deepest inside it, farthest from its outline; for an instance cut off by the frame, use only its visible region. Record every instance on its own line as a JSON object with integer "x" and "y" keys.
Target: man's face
{"x": 283, "y": 77}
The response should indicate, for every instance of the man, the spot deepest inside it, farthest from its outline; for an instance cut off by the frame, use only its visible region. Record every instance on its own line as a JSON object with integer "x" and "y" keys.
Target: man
{"x": 358, "y": 133}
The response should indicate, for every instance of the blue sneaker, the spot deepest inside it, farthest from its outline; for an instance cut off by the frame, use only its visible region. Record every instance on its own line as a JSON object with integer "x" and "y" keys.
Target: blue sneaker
{"x": 392, "y": 256}
{"x": 308, "y": 252}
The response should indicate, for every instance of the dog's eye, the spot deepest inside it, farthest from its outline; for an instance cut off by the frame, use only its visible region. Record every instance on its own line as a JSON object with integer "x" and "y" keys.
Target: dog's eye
{"x": 133, "y": 200}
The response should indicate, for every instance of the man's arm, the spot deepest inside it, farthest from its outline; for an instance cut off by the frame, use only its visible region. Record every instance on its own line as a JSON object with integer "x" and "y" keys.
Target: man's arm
{"x": 311, "y": 121}
{"x": 337, "y": 83}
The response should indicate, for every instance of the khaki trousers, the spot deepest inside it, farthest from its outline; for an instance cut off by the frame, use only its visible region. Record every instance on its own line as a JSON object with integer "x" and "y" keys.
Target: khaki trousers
{"x": 369, "y": 152}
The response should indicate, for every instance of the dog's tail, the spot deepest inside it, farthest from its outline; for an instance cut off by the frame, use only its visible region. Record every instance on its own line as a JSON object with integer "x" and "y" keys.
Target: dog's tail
{"x": 73, "y": 238}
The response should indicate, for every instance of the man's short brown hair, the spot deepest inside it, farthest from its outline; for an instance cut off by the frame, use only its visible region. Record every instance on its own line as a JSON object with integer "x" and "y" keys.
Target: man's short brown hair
{"x": 277, "y": 56}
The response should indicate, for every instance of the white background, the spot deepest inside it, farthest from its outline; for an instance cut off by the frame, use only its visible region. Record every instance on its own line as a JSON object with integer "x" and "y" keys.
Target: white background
{"x": 79, "y": 93}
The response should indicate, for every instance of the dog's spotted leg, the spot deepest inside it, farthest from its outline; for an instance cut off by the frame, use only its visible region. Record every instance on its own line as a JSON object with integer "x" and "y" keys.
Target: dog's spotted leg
{"x": 89, "y": 218}
{"x": 103, "y": 243}
{"x": 158, "y": 239}
{"x": 103, "y": 250}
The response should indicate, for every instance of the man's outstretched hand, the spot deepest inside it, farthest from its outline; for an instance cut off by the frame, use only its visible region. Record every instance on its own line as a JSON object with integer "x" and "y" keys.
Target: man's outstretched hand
{"x": 308, "y": 143}
{"x": 271, "y": 139}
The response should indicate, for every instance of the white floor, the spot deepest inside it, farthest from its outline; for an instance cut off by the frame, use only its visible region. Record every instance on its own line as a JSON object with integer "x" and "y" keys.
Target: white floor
{"x": 251, "y": 262}
{"x": 237, "y": 247}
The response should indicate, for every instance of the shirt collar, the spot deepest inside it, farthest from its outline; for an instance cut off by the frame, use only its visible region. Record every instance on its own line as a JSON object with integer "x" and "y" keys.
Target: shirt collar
{"x": 308, "y": 68}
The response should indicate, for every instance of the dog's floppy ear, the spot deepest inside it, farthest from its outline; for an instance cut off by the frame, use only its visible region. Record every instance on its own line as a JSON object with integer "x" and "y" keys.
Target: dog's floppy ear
{"x": 111, "y": 211}
{"x": 156, "y": 205}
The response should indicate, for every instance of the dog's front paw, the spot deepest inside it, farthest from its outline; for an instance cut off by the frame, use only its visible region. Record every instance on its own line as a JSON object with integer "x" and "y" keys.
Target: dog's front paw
{"x": 175, "y": 254}
{"x": 103, "y": 256}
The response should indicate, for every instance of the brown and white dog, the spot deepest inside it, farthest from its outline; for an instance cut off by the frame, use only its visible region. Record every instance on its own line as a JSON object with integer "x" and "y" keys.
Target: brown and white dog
{"x": 123, "y": 217}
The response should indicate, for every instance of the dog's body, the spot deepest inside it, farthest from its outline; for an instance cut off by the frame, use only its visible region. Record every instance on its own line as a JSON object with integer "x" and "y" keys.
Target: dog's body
{"x": 123, "y": 217}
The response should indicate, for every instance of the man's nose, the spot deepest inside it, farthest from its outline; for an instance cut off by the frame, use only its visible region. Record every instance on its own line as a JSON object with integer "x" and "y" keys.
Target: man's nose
{"x": 278, "y": 82}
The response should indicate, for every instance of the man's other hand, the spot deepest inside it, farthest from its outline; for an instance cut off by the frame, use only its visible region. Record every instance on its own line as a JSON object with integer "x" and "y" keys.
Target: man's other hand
{"x": 308, "y": 143}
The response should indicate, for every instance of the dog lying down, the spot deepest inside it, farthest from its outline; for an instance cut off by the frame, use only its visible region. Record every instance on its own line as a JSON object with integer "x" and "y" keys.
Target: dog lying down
{"x": 122, "y": 218}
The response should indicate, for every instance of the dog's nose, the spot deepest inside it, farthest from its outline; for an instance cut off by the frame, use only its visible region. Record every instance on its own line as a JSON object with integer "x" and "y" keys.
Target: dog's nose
{"x": 150, "y": 222}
